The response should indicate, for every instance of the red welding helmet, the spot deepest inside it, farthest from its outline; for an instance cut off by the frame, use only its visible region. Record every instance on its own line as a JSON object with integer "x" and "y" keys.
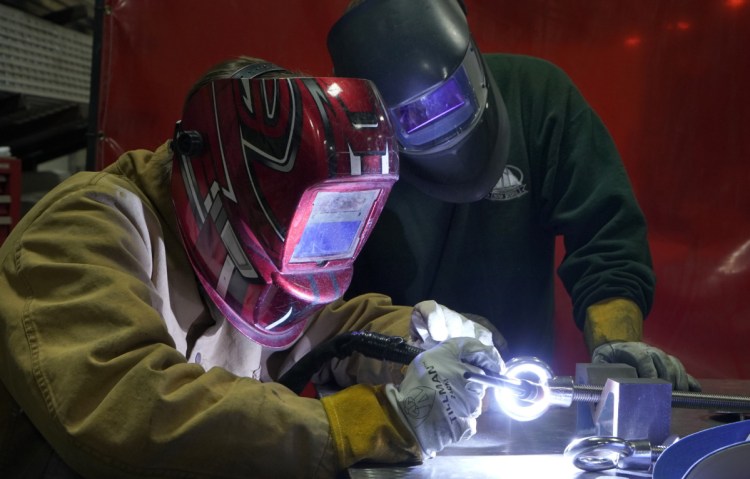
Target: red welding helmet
{"x": 277, "y": 183}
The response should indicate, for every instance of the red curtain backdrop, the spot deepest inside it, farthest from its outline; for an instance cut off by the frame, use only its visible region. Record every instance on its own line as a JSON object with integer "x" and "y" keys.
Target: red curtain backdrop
{"x": 669, "y": 77}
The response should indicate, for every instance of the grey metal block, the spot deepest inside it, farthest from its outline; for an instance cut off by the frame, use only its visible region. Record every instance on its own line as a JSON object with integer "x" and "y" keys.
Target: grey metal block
{"x": 596, "y": 375}
{"x": 634, "y": 409}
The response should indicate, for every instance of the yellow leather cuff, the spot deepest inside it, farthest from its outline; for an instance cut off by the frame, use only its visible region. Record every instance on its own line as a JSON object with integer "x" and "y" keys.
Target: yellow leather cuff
{"x": 613, "y": 319}
{"x": 365, "y": 427}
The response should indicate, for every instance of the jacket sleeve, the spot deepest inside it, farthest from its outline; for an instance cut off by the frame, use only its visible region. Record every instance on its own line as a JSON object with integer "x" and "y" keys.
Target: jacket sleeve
{"x": 86, "y": 355}
{"x": 588, "y": 199}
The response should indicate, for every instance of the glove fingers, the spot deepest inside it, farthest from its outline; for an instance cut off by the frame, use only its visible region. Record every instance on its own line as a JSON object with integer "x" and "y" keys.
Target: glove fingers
{"x": 666, "y": 369}
{"x": 467, "y": 427}
{"x": 614, "y": 353}
{"x": 495, "y": 337}
{"x": 455, "y": 325}
{"x": 444, "y": 323}
{"x": 645, "y": 368}
{"x": 472, "y": 405}
{"x": 437, "y": 326}
{"x": 475, "y": 388}
{"x": 418, "y": 328}
{"x": 432, "y": 322}
{"x": 437, "y": 402}
{"x": 632, "y": 354}
{"x": 468, "y": 404}
{"x": 687, "y": 382}
{"x": 421, "y": 327}
{"x": 481, "y": 356}
{"x": 649, "y": 362}
{"x": 693, "y": 384}
{"x": 671, "y": 369}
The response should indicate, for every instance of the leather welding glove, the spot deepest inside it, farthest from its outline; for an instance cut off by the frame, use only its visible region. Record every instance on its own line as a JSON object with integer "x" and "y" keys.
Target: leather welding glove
{"x": 435, "y": 400}
{"x": 649, "y": 362}
{"x": 432, "y": 323}
{"x": 613, "y": 331}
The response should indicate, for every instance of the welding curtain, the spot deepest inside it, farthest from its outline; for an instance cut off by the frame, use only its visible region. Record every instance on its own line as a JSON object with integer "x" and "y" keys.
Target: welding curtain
{"x": 669, "y": 78}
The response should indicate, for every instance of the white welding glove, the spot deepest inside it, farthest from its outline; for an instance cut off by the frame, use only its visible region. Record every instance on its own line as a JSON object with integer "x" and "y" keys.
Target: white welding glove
{"x": 435, "y": 400}
{"x": 432, "y": 323}
{"x": 649, "y": 362}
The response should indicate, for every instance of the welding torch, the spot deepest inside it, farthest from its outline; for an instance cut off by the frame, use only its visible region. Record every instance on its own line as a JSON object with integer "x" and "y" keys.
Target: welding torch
{"x": 526, "y": 389}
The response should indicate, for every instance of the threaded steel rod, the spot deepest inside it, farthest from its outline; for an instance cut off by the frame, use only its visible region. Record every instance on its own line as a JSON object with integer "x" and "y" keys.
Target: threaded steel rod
{"x": 680, "y": 399}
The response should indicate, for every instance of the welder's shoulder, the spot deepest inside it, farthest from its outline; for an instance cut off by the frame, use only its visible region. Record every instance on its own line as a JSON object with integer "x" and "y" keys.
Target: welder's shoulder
{"x": 129, "y": 175}
{"x": 84, "y": 184}
{"x": 525, "y": 68}
{"x": 77, "y": 195}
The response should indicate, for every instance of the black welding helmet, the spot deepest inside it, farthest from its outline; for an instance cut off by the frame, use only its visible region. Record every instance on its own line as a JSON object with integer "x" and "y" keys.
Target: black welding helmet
{"x": 448, "y": 114}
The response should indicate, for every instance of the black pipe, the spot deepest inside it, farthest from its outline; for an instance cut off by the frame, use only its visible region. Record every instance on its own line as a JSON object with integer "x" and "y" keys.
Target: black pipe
{"x": 367, "y": 343}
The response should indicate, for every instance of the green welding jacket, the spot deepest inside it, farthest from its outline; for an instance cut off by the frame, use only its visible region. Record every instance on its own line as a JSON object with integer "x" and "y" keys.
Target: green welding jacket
{"x": 496, "y": 257}
{"x": 100, "y": 368}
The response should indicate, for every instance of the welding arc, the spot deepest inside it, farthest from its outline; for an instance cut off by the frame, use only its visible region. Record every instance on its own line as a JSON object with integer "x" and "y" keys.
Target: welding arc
{"x": 521, "y": 388}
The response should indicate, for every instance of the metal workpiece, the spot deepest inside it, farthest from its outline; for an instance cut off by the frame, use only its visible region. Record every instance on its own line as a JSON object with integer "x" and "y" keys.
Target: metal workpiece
{"x": 503, "y": 447}
{"x": 590, "y": 379}
{"x": 527, "y": 389}
{"x": 628, "y": 414}
{"x": 601, "y": 453}
{"x": 634, "y": 408}
{"x": 718, "y": 402}
{"x": 562, "y": 391}
{"x": 587, "y": 393}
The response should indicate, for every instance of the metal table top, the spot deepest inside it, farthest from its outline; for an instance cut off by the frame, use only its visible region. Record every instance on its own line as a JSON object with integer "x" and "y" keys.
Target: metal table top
{"x": 507, "y": 449}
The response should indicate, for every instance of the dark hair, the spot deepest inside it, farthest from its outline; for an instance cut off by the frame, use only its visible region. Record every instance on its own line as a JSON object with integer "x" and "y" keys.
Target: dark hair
{"x": 353, "y": 3}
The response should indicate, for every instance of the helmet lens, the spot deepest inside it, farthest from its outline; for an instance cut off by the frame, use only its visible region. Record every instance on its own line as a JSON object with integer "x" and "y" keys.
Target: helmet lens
{"x": 444, "y": 112}
{"x": 431, "y": 107}
{"x": 335, "y": 225}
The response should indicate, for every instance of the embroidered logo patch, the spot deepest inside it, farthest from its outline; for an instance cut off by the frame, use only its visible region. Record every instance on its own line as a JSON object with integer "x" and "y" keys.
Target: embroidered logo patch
{"x": 509, "y": 186}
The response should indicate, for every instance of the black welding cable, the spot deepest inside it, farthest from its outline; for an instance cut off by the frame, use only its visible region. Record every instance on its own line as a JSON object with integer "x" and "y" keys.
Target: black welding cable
{"x": 367, "y": 343}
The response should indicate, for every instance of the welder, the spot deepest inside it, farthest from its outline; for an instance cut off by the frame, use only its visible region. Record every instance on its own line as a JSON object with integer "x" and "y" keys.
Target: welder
{"x": 148, "y": 308}
{"x": 501, "y": 155}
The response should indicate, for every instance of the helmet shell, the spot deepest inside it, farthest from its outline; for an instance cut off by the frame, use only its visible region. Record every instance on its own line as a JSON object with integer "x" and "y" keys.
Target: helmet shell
{"x": 283, "y": 181}
{"x": 409, "y": 49}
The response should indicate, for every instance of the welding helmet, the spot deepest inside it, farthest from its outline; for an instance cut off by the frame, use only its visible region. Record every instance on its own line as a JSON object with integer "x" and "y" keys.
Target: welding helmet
{"x": 277, "y": 183}
{"x": 447, "y": 112}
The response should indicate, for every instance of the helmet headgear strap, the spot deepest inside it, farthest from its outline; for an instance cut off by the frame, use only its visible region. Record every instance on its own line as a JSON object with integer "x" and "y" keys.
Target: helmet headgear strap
{"x": 257, "y": 69}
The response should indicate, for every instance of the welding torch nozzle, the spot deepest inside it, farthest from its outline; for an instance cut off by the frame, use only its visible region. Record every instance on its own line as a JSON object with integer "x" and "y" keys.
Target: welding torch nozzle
{"x": 521, "y": 388}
